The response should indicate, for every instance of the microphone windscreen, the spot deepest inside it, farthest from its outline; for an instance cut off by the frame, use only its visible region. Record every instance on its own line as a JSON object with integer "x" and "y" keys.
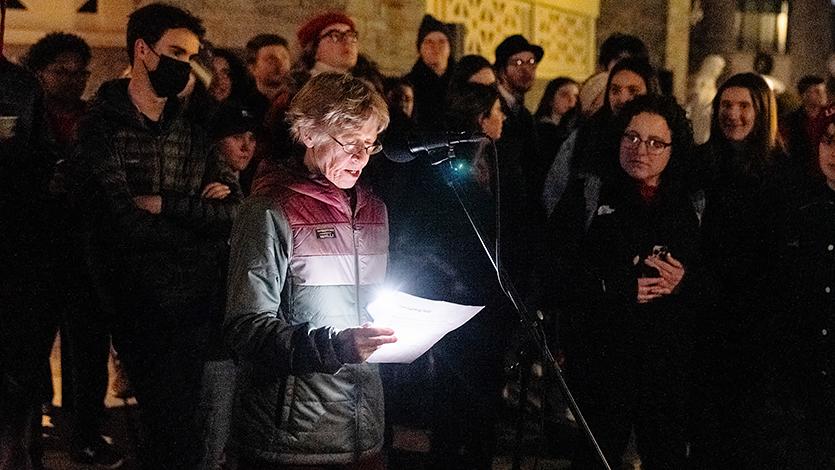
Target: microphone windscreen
{"x": 396, "y": 147}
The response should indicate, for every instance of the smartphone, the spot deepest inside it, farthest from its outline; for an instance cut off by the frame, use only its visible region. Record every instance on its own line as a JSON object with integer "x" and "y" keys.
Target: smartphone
{"x": 658, "y": 251}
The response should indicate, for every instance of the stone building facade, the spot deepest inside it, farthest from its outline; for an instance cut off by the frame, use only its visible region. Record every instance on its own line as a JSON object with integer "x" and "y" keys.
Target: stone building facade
{"x": 679, "y": 33}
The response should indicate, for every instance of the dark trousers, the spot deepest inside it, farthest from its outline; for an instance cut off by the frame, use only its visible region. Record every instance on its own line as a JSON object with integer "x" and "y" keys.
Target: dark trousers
{"x": 166, "y": 368}
{"x": 85, "y": 349}
{"x": 27, "y": 330}
{"x": 467, "y": 393}
{"x": 659, "y": 430}
{"x": 745, "y": 417}
{"x": 640, "y": 389}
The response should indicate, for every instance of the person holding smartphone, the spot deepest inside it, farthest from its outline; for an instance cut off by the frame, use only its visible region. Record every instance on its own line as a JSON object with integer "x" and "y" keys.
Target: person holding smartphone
{"x": 626, "y": 272}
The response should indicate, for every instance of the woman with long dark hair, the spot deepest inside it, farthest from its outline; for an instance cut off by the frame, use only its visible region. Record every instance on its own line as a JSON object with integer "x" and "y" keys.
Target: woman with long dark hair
{"x": 625, "y": 277}
{"x": 556, "y": 117}
{"x": 738, "y": 413}
{"x": 229, "y": 78}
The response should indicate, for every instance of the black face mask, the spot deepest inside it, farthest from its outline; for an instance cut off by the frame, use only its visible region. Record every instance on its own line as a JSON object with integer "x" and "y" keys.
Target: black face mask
{"x": 170, "y": 77}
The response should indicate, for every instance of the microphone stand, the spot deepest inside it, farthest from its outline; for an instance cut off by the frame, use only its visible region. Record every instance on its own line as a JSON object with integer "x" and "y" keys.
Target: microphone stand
{"x": 531, "y": 323}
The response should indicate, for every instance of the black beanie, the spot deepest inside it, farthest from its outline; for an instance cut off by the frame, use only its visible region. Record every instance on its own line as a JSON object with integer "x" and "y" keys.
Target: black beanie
{"x": 429, "y": 25}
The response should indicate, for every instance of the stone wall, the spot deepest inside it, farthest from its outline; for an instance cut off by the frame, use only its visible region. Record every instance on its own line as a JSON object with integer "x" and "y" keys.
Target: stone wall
{"x": 678, "y": 45}
{"x": 810, "y": 38}
{"x": 646, "y": 19}
{"x": 663, "y": 25}
{"x": 388, "y": 28}
{"x": 564, "y": 28}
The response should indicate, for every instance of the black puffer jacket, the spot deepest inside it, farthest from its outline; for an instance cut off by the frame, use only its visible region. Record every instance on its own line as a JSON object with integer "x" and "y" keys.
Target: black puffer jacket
{"x": 161, "y": 270}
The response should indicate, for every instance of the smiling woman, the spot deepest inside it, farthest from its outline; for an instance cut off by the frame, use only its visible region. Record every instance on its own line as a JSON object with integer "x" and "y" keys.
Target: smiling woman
{"x": 750, "y": 190}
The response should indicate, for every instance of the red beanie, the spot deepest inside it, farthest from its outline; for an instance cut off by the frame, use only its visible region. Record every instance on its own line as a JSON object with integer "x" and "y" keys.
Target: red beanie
{"x": 311, "y": 30}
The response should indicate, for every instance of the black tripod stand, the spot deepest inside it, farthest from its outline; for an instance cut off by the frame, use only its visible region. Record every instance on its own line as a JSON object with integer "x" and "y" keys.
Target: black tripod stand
{"x": 531, "y": 323}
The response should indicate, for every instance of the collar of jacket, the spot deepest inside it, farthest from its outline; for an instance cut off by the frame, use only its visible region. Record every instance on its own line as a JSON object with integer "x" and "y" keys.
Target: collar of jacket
{"x": 273, "y": 178}
{"x": 423, "y": 72}
{"x": 113, "y": 101}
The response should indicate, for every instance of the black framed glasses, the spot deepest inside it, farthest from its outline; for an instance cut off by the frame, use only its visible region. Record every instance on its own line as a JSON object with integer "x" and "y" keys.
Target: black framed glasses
{"x": 633, "y": 141}
{"x": 337, "y": 36}
{"x": 356, "y": 149}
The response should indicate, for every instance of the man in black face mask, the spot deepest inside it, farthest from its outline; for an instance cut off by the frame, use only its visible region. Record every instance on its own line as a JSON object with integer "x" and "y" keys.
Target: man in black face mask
{"x": 159, "y": 213}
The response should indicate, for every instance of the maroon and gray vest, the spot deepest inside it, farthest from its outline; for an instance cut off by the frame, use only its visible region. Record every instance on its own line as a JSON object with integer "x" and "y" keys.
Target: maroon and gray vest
{"x": 337, "y": 256}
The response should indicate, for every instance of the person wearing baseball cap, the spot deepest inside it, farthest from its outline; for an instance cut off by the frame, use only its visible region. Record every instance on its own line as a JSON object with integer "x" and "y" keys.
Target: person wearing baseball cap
{"x": 233, "y": 129}
{"x": 431, "y": 73}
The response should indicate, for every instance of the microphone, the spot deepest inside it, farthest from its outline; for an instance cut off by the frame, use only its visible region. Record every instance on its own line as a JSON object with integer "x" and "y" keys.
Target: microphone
{"x": 405, "y": 147}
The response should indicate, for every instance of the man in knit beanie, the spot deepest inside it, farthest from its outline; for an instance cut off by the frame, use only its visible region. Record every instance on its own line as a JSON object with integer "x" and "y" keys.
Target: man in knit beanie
{"x": 431, "y": 72}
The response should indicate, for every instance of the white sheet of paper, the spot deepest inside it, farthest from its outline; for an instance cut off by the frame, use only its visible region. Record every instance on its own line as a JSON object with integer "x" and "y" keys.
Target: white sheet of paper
{"x": 418, "y": 323}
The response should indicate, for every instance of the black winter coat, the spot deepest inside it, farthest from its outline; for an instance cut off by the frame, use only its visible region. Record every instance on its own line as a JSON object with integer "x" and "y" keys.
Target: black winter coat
{"x": 594, "y": 276}
{"x": 810, "y": 294}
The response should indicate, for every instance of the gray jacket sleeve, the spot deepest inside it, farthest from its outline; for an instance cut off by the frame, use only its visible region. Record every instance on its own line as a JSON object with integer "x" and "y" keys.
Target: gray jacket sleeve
{"x": 558, "y": 174}
{"x": 261, "y": 246}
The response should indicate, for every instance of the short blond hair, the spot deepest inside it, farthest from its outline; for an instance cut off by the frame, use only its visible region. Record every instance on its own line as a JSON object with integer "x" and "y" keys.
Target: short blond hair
{"x": 335, "y": 103}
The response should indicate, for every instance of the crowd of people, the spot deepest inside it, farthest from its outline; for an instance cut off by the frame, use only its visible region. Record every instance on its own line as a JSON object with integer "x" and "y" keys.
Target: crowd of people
{"x": 222, "y": 222}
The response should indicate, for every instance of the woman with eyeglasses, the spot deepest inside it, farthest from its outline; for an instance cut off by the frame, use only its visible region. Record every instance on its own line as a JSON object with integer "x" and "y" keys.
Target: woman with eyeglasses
{"x": 625, "y": 272}
{"x": 581, "y": 151}
{"x": 738, "y": 415}
{"x": 308, "y": 247}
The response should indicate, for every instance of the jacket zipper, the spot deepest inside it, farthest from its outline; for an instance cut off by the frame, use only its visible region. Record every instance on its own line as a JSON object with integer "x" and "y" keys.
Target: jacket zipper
{"x": 356, "y": 268}
{"x": 359, "y": 320}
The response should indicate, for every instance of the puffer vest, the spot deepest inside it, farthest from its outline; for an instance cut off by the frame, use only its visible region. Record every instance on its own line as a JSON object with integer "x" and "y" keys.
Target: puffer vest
{"x": 337, "y": 257}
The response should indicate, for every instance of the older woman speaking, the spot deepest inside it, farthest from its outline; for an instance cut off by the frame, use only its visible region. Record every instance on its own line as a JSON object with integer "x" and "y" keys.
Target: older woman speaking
{"x": 306, "y": 249}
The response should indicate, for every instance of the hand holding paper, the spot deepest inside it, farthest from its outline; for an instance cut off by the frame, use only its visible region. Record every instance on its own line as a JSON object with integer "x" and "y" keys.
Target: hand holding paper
{"x": 419, "y": 323}
{"x": 356, "y": 344}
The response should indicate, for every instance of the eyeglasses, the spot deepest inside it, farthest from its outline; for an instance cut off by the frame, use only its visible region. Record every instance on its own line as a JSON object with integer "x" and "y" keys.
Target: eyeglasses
{"x": 633, "y": 141}
{"x": 337, "y": 36}
{"x": 356, "y": 149}
{"x": 828, "y": 139}
{"x": 522, "y": 62}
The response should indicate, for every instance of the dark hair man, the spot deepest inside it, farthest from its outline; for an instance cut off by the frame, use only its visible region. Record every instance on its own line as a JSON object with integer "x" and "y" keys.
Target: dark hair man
{"x": 619, "y": 46}
{"x": 268, "y": 61}
{"x": 27, "y": 326}
{"x": 60, "y": 61}
{"x": 516, "y": 63}
{"x": 159, "y": 222}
